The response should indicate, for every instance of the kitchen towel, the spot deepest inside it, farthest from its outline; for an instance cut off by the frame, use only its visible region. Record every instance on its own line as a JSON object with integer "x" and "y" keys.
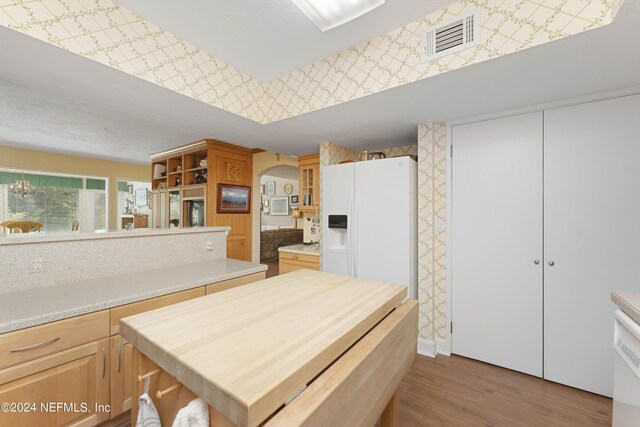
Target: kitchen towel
{"x": 147, "y": 413}
{"x": 195, "y": 414}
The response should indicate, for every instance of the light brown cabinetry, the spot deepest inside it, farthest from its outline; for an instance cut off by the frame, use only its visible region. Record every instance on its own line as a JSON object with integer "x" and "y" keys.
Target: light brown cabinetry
{"x": 121, "y": 376}
{"x": 75, "y": 361}
{"x": 291, "y": 262}
{"x": 195, "y": 181}
{"x": 232, "y": 283}
{"x": 78, "y": 377}
{"x": 309, "y": 169}
{"x": 31, "y": 343}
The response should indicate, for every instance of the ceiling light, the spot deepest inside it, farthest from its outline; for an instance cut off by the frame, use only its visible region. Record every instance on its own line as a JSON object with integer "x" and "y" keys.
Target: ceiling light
{"x": 328, "y": 14}
{"x": 21, "y": 188}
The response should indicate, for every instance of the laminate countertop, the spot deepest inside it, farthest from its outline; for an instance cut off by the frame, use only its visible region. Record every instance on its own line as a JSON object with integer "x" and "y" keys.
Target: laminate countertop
{"x": 313, "y": 250}
{"x": 34, "y": 307}
{"x": 629, "y": 303}
{"x": 247, "y": 350}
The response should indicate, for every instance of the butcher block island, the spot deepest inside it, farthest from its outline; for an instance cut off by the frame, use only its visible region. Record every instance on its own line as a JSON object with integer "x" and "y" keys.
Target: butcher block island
{"x": 304, "y": 348}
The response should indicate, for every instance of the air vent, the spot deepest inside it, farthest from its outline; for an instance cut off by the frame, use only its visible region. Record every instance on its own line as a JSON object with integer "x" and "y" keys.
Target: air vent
{"x": 452, "y": 36}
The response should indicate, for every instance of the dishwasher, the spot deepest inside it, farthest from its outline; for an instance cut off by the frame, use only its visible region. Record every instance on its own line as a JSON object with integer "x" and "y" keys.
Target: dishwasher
{"x": 626, "y": 377}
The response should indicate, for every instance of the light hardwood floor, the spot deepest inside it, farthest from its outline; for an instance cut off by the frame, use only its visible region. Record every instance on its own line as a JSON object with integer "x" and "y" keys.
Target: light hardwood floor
{"x": 456, "y": 391}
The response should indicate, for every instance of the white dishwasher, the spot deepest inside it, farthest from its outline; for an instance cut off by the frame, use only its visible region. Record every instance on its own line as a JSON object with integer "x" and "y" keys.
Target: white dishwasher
{"x": 626, "y": 377}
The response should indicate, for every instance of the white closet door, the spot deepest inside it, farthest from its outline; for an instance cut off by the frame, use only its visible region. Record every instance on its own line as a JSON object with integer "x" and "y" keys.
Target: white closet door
{"x": 496, "y": 240}
{"x": 592, "y": 235}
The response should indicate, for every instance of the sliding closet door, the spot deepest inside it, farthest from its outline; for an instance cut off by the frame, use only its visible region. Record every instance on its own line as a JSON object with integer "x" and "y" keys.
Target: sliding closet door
{"x": 592, "y": 235}
{"x": 497, "y": 242}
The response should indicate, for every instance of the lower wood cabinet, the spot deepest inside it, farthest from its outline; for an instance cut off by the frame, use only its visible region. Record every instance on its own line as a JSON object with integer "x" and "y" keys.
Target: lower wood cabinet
{"x": 77, "y": 378}
{"x": 232, "y": 283}
{"x": 291, "y": 262}
{"x": 121, "y": 376}
{"x": 55, "y": 364}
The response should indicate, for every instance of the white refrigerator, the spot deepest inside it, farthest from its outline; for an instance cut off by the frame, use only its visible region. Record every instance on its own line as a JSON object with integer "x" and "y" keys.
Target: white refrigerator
{"x": 369, "y": 221}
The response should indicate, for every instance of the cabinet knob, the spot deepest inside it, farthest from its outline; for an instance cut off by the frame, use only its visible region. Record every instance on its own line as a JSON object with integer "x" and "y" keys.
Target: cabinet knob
{"x": 552, "y": 263}
{"x": 536, "y": 261}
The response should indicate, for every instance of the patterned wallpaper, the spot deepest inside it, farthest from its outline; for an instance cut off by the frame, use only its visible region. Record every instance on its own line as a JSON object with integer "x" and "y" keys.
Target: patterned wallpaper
{"x": 432, "y": 247}
{"x": 105, "y": 32}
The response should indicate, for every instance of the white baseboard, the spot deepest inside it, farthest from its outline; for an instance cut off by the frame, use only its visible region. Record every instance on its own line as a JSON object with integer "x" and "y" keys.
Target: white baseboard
{"x": 432, "y": 348}
{"x": 426, "y": 347}
{"x": 442, "y": 347}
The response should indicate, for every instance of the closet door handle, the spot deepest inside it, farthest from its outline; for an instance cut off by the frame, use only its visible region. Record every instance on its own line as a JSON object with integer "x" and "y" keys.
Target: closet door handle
{"x": 552, "y": 263}
{"x": 536, "y": 261}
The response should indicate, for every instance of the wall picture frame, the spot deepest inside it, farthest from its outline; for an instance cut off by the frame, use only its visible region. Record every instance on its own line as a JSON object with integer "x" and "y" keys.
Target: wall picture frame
{"x": 294, "y": 200}
{"x": 233, "y": 199}
{"x": 280, "y": 206}
{"x": 142, "y": 197}
{"x": 271, "y": 188}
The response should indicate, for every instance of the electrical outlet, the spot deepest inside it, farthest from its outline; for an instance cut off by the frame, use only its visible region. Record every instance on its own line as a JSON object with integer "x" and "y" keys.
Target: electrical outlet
{"x": 209, "y": 245}
{"x": 37, "y": 264}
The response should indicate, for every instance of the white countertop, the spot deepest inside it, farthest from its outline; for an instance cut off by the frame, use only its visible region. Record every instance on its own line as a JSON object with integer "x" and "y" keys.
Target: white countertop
{"x": 26, "y": 238}
{"x": 629, "y": 303}
{"x": 33, "y": 307}
{"x": 301, "y": 249}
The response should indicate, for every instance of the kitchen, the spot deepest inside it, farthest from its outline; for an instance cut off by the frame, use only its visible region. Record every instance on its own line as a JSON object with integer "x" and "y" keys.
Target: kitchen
{"x": 519, "y": 222}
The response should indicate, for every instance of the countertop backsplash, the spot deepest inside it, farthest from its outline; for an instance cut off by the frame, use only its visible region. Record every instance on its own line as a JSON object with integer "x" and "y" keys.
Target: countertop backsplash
{"x": 49, "y": 261}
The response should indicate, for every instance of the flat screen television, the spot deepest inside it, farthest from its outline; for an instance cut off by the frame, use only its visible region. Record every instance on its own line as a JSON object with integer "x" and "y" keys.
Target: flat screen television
{"x": 195, "y": 213}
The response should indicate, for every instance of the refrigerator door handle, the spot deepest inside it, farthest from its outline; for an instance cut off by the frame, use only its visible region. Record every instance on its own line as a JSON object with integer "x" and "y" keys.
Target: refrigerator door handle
{"x": 354, "y": 243}
{"x": 350, "y": 266}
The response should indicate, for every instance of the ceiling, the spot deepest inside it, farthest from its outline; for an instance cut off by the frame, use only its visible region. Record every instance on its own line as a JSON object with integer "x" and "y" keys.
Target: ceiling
{"x": 267, "y": 39}
{"x": 54, "y": 100}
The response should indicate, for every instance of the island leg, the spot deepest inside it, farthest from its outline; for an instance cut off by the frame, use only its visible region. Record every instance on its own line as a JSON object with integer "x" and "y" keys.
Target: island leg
{"x": 391, "y": 414}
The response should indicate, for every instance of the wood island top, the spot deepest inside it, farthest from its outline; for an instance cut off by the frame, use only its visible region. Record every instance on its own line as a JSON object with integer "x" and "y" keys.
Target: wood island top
{"x": 245, "y": 351}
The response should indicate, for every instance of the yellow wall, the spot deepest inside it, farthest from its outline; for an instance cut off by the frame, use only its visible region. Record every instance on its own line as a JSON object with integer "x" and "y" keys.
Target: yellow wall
{"x": 262, "y": 162}
{"x": 40, "y": 161}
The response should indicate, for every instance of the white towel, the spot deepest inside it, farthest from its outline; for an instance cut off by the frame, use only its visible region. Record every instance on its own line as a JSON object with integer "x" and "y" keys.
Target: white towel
{"x": 147, "y": 413}
{"x": 195, "y": 414}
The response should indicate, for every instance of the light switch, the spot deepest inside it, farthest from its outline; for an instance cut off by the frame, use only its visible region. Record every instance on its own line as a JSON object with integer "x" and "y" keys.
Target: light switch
{"x": 439, "y": 225}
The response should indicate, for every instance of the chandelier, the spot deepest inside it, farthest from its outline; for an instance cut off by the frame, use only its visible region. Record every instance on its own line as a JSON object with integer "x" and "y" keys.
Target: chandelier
{"x": 21, "y": 188}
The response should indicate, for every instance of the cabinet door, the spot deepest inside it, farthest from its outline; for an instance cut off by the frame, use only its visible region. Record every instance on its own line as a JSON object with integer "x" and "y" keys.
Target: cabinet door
{"x": 121, "y": 375}
{"x": 496, "y": 240}
{"x": 592, "y": 235}
{"x": 78, "y": 378}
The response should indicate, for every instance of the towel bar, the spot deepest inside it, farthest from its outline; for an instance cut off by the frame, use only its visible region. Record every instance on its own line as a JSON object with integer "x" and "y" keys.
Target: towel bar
{"x": 149, "y": 374}
{"x": 161, "y": 393}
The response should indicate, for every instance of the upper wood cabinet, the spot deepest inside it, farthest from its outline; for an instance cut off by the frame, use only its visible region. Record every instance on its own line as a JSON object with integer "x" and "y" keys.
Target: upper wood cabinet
{"x": 233, "y": 165}
{"x": 188, "y": 176}
{"x": 309, "y": 197}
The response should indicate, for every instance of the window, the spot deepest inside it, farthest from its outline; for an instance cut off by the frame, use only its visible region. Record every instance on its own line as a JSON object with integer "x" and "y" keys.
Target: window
{"x": 57, "y": 201}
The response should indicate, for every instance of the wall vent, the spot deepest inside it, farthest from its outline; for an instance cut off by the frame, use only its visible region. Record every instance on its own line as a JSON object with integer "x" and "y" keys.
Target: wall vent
{"x": 451, "y": 36}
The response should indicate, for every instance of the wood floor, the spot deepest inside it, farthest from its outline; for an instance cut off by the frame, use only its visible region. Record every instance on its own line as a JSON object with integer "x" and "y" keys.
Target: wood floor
{"x": 455, "y": 391}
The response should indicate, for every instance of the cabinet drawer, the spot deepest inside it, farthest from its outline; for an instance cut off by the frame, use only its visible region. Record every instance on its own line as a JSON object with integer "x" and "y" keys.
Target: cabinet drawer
{"x": 118, "y": 313}
{"x": 299, "y": 257}
{"x": 287, "y": 266}
{"x": 31, "y": 343}
{"x": 232, "y": 283}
